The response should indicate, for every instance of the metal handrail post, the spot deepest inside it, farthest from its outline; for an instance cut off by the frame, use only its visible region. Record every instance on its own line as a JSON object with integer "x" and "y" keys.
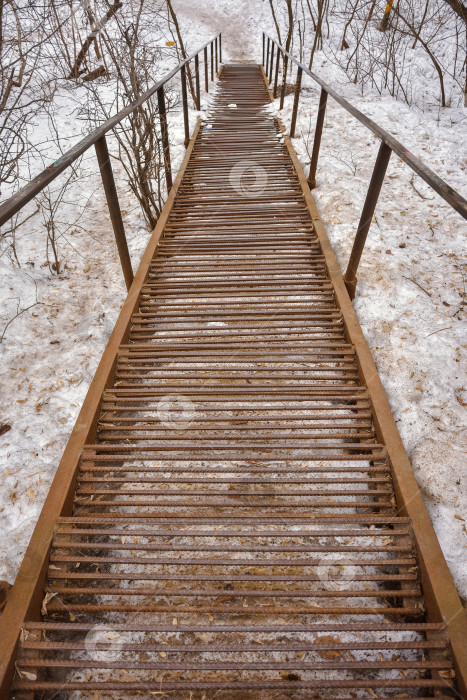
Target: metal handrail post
{"x": 374, "y": 188}
{"x": 317, "y": 140}
{"x": 165, "y": 137}
{"x": 105, "y": 167}
{"x": 295, "y": 102}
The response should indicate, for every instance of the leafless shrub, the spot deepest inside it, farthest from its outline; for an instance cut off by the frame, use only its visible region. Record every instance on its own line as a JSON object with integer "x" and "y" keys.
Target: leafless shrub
{"x": 24, "y": 86}
{"x": 49, "y": 202}
{"x": 384, "y": 45}
{"x": 392, "y": 60}
{"x": 8, "y": 236}
{"x": 19, "y": 311}
{"x": 133, "y": 53}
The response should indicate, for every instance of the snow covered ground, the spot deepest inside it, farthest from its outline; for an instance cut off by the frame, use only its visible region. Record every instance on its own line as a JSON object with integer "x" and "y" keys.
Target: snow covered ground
{"x": 410, "y": 297}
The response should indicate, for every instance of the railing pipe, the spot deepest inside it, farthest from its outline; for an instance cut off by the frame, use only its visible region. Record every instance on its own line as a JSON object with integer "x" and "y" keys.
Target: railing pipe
{"x": 371, "y": 200}
{"x": 165, "y": 137}
{"x": 105, "y": 167}
{"x": 267, "y": 57}
{"x": 263, "y": 51}
{"x": 295, "y": 102}
{"x": 276, "y": 75}
{"x": 271, "y": 64}
{"x": 323, "y": 98}
{"x": 284, "y": 78}
{"x": 197, "y": 87}
{"x": 212, "y": 60}
{"x": 220, "y": 49}
{"x": 206, "y": 75}
{"x": 185, "y": 106}
{"x": 217, "y": 61}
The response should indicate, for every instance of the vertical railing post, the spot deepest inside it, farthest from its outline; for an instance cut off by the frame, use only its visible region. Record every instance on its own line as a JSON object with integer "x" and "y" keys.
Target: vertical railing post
{"x": 284, "y": 80}
{"x": 105, "y": 166}
{"x": 217, "y": 61}
{"x": 267, "y": 58}
{"x": 295, "y": 102}
{"x": 185, "y": 105}
{"x": 276, "y": 75}
{"x": 271, "y": 63}
{"x": 197, "y": 87}
{"x": 317, "y": 140}
{"x": 263, "y": 49}
{"x": 371, "y": 200}
{"x": 165, "y": 137}
{"x": 206, "y": 76}
{"x": 220, "y": 48}
{"x": 212, "y": 60}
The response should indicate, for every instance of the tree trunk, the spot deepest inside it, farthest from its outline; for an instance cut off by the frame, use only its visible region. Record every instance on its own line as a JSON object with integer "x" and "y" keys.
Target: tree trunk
{"x": 278, "y": 31}
{"x": 421, "y": 24}
{"x": 385, "y": 21}
{"x": 91, "y": 38}
{"x": 318, "y": 32}
{"x": 182, "y": 49}
{"x": 459, "y": 8}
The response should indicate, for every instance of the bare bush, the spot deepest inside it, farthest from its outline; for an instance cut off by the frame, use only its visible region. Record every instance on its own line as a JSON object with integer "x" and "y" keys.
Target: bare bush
{"x": 98, "y": 56}
{"x": 384, "y": 45}
{"x": 24, "y": 85}
{"x": 134, "y": 50}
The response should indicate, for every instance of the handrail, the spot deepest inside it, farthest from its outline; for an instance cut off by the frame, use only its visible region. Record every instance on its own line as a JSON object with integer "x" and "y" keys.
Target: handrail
{"x": 97, "y": 138}
{"x": 388, "y": 145}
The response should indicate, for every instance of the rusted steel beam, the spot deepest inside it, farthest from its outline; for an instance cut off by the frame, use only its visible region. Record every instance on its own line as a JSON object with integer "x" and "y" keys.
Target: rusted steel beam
{"x": 295, "y": 102}
{"x": 376, "y": 182}
{"x": 125, "y": 686}
{"x": 317, "y": 140}
{"x": 284, "y": 78}
{"x": 186, "y": 121}
{"x": 271, "y": 64}
{"x": 206, "y": 74}
{"x": 276, "y": 76}
{"x": 105, "y": 167}
{"x": 311, "y": 627}
{"x": 165, "y": 136}
{"x": 266, "y": 65}
{"x": 197, "y": 83}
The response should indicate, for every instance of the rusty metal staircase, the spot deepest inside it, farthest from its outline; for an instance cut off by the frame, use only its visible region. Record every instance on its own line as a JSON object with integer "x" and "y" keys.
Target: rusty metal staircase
{"x": 232, "y": 530}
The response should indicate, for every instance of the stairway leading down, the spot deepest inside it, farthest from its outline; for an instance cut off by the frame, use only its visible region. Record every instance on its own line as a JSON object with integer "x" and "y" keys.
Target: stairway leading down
{"x": 234, "y": 532}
